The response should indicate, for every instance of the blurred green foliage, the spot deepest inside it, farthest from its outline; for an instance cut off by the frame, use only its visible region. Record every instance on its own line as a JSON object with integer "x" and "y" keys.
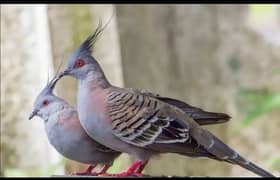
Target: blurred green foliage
{"x": 52, "y": 169}
{"x": 257, "y": 103}
{"x": 276, "y": 71}
{"x": 117, "y": 167}
{"x": 274, "y": 162}
{"x": 261, "y": 13}
{"x": 34, "y": 172}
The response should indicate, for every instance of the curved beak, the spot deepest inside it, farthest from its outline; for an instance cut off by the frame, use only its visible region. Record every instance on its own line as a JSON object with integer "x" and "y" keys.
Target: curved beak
{"x": 34, "y": 113}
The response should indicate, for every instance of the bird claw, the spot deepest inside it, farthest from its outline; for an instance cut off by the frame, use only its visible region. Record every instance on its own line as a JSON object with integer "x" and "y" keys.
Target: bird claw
{"x": 87, "y": 172}
{"x": 134, "y": 170}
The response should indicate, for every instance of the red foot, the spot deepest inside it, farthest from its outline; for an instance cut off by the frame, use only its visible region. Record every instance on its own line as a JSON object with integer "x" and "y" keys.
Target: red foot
{"x": 103, "y": 171}
{"x": 141, "y": 167}
{"x": 134, "y": 170}
{"x": 87, "y": 172}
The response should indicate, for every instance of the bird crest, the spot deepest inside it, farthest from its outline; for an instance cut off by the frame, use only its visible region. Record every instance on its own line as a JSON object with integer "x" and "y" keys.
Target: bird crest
{"x": 87, "y": 45}
{"x": 51, "y": 83}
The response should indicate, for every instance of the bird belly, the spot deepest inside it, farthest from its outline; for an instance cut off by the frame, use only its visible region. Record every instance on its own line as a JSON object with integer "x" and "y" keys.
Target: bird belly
{"x": 91, "y": 115}
{"x": 72, "y": 145}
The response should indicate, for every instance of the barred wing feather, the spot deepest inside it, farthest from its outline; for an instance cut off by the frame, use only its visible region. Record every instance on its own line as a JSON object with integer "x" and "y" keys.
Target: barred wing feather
{"x": 141, "y": 120}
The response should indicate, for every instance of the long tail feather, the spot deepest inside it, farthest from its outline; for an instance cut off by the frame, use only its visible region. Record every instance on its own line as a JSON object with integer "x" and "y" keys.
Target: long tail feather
{"x": 253, "y": 168}
{"x": 222, "y": 151}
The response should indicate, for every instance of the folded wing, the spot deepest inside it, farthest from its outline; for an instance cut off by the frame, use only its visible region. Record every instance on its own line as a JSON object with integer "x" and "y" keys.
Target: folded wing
{"x": 142, "y": 120}
{"x": 199, "y": 115}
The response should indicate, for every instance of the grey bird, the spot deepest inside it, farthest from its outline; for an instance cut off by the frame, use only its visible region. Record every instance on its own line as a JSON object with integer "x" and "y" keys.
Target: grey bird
{"x": 139, "y": 123}
{"x": 66, "y": 134}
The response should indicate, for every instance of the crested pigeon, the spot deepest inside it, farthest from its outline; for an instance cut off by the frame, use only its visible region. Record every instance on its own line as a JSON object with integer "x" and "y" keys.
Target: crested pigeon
{"x": 142, "y": 124}
{"x": 65, "y": 133}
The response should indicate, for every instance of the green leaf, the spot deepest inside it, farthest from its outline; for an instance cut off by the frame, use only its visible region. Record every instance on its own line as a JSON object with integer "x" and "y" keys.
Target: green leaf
{"x": 270, "y": 103}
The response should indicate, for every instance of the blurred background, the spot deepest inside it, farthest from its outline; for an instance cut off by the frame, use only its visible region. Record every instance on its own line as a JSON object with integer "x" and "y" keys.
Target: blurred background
{"x": 223, "y": 58}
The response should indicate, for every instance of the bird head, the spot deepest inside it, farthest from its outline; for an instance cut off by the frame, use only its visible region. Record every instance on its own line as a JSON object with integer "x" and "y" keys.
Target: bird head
{"x": 82, "y": 63}
{"x": 46, "y": 102}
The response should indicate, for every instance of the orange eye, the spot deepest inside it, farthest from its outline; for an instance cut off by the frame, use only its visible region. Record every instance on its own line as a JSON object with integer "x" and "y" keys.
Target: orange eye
{"x": 45, "y": 103}
{"x": 79, "y": 63}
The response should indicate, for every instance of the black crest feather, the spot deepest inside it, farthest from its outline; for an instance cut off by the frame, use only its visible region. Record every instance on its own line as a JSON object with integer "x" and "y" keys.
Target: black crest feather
{"x": 87, "y": 45}
{"x": 53, "y": 81}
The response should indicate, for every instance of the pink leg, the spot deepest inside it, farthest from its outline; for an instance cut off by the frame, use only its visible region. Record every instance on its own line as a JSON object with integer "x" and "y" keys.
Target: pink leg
{"x": 141, "y": 167}
{"x": 86, "y": 172}
{"x": 137, "y": 165}
{"x": 104, "y": 170}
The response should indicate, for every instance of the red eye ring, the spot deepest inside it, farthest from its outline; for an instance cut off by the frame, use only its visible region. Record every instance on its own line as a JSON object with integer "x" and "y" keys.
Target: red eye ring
{"x": 45, "y": 102}
{"x": 79, "y": 63}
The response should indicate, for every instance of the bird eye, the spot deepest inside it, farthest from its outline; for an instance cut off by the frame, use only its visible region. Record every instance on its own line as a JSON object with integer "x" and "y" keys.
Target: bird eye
{"x": 45, "y": 103}
{"x": 79, "y": 63}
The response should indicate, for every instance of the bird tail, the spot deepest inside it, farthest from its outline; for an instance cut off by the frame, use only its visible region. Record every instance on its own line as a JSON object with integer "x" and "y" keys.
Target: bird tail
{"x": 252, "y": 167}
{"x": 223, "y": 152}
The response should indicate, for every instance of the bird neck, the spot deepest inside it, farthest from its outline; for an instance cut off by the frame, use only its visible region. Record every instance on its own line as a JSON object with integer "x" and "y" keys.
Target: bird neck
{"x": 52, "y": 115}
{"x": 95, "y": 80}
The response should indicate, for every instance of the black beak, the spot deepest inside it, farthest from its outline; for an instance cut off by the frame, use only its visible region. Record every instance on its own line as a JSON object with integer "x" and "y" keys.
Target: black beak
{"x": 34, "y": 113}
{"x": 64, "y": 73}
